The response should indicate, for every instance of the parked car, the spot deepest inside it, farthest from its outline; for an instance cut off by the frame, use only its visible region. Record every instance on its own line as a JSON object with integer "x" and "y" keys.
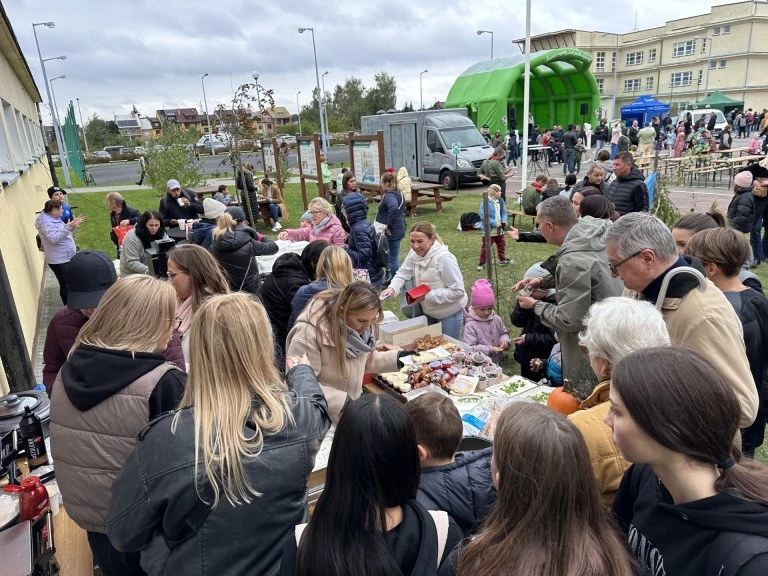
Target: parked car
{"x": 124, "y": 150}
{"x": 289, "y": 139}
{"x": 102, "y": 154}
{"x": 217, "y": 141}
{"x": 139, "y": 150}
{"x": 247, "y": 143}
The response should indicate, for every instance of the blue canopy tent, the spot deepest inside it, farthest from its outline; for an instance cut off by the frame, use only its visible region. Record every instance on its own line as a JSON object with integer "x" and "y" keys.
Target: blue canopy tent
{"x": 643, "y": 110}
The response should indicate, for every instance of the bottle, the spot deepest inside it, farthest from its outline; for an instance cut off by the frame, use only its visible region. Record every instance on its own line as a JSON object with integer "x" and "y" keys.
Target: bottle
{"x": 33, "y": 500}
{"x": 31, "y": 429}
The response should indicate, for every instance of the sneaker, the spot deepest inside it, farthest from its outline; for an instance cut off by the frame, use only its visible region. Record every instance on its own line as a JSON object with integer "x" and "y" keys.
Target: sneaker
{"x": 505, "y": 262}
{"x": 480, "y": 267}
{"x": 277, "y": 227}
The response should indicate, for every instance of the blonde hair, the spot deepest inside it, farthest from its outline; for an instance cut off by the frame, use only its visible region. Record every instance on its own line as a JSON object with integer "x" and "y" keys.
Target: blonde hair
{"x": 337, "y": 304}
{"x": 323, "y": 205}
{"x": 427, "y": 229}
{"x": 224, "y": 223}
{"x": 224, "y": 395}
{"x": 137, "y": 297}
{"x": 335, "y": 266}
{"x": 207, "y": 277}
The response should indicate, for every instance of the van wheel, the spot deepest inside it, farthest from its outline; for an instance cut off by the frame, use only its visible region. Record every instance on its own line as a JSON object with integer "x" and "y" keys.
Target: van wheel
{"x": 448, "y": 180}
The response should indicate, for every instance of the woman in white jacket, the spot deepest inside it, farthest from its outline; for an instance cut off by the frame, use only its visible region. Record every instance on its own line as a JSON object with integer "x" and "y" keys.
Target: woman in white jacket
{"x": 429, "y": 262}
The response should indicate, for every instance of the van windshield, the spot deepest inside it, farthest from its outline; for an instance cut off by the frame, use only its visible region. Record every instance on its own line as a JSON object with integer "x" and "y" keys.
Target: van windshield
{"x": 467, "y": 136}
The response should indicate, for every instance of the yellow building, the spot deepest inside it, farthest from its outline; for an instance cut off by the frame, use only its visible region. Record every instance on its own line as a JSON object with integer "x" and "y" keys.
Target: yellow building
{"x": 681, "y": 61}
{"x": 24, "y": 179}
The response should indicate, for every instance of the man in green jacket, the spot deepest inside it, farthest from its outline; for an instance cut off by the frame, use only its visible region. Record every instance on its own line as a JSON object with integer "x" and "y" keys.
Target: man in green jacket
{"x": 533, "y": 193}
{"x": 580, "y": 274}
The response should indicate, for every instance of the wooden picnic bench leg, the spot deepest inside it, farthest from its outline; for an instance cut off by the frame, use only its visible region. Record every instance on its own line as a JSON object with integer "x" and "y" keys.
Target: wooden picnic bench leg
{"x": 438, "y": 200}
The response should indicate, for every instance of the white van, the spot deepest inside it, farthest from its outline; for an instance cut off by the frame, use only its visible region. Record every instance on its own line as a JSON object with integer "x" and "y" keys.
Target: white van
{"x": 720, "y": 122}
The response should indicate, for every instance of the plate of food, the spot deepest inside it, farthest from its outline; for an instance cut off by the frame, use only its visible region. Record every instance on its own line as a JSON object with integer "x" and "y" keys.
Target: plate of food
{"x": 512, "y": 387}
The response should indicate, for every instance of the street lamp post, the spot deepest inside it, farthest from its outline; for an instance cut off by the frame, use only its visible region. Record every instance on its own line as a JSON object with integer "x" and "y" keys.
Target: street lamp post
{"x": 481, "y": 32}
{"x": 207, "y": 117}
{"x": 255, "y": 76}
{"x": 325, "y": 108}
{"x": 64, "y": 162}
{"x": 298, "y": 109}
{"x": 320, "y": 101}
{"x": 421, "y": 92}
{"x": 85, "y": 139}
{"x": 55, "y": 114}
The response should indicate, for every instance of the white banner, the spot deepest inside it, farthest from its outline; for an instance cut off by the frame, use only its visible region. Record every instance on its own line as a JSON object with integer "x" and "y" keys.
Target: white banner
{"x": 366, "y": 162}
{"x": 308, "y": 158}
{"x": 270, "y": 165}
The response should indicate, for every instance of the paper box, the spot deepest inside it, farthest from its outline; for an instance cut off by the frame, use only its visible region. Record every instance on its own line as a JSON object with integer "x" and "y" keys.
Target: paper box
{"x": 415, "y": 293}
{"x": 405, "y": 332}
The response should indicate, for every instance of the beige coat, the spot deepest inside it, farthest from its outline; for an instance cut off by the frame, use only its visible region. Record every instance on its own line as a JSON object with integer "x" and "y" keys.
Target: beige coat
{"x": 310, "y": 336}
{"x": 707, "y": 323}
{"x": 277, "y": 198}
{"x": 607, "y": 463}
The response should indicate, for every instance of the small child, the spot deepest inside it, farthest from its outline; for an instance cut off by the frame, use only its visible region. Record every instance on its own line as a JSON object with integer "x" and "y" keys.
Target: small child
{"x": 677, "y": 152}
{"x": 458, "y": 483}
{"x": 484, "y": 330}
{"x": 754, "y": 144}
{"x": 553, "y": 365}
{"x": 578, "y": 153}
{"x": 306, "y": 220}
{"x": 223, "y": 195}
{"x": 497, "y": 214}
{"x": 741, "y": 210}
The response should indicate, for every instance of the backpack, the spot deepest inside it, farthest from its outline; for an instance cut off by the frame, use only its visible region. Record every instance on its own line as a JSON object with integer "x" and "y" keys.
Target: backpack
{"x": 468, "y": 220}
{"x": 732, "y": 550}
{"x": 380, "y": 250}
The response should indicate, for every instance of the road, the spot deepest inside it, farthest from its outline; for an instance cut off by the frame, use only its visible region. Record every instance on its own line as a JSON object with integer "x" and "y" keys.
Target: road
{"x": 122, "y": 172}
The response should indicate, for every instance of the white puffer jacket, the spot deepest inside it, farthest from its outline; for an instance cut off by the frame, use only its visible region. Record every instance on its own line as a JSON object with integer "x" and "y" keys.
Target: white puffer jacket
{"x": 439, "y": 270}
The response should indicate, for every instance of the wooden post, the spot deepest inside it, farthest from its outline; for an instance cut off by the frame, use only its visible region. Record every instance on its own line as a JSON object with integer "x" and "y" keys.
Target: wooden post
{"x": 13, "y": 348}
{"x": 487, "y": 236}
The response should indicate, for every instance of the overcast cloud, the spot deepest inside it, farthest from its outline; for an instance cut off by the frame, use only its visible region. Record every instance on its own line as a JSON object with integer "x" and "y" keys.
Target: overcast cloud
{"x": 151, "y": 53}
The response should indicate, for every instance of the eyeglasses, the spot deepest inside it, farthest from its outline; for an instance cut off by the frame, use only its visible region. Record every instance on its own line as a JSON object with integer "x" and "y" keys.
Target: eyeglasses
{"x": 177, "y": 322}
{"x": 313, "y": 212}
{"x": 614, "y": 267}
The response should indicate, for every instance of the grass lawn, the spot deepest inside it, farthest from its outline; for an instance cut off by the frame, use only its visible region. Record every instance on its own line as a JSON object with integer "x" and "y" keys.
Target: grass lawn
{"x": 94, "y": 234}
{"x": 77, "y": 182}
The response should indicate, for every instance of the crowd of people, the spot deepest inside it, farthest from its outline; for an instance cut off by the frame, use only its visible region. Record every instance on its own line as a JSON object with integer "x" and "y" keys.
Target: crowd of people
{"x": 202, "y": 418}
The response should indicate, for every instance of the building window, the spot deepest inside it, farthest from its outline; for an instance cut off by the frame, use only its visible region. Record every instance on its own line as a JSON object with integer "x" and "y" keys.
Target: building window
{"x": 716, "y": 31}
{"x": 721, "y": 64}
{"x": 712, "y": 64}
{"x": 634, "y": 58}
{"x": 649, "y": 83}
{"x": 600, "y": 84}
{"x": 613, "y": 62}
{"x": 6, "y": 160}
{"x": 701, "y": 75}
{"x": 703, "y": 45}
{"x": 600, "y": 62}
{"x": 680, "y": 79}
{"x": 726, "y": 29}
{"x": 686, "y": 48}
{"x": 632, "y": 85}
{"x": 651, "y": 55}
{"x": 13, "y": 131}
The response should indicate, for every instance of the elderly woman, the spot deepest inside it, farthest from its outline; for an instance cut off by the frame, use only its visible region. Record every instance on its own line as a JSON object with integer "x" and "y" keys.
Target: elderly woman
{"x": 325, "y": 226}
{"x": 613, "y": 328}
{"x": 594, "y": 179}
{"x": 57, "y": 242}
{"x": 120, "y": 214}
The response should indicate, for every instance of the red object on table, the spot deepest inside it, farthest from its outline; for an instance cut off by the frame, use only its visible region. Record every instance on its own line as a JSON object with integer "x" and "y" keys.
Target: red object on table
{"x": 33, "y": 500}
{"x": 416, "y": 293}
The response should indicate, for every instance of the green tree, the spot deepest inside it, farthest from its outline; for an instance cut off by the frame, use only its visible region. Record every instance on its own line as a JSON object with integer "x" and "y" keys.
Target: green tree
{"x": 102, "y": 133}
{"x": 292, "y": 129}
{"x": 172, "y": 157}
{"x": 383, "y": 96}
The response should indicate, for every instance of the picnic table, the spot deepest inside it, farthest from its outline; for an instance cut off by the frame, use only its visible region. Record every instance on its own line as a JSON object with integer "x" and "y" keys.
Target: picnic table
{"x": 732, "y": 163}
{"x": 422, "y": 193}
{"x": 202, "y": 191}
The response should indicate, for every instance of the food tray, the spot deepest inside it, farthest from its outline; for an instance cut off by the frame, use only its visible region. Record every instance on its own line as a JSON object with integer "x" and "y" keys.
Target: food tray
{"x": 524, "y": 385}
{"x": 387, "y": 388}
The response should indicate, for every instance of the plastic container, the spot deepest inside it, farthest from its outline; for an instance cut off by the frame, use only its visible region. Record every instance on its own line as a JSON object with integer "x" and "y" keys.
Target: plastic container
{"x": 31, "y": 429}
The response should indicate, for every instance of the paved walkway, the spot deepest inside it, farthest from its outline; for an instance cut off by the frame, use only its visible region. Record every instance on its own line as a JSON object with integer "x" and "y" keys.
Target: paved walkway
{"x": 49, "y": 304}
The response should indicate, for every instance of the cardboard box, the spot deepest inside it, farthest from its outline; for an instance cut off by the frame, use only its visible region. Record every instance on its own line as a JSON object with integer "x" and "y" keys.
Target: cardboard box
{"x": 416, "y": 293}
{"x": 405, "y": 332}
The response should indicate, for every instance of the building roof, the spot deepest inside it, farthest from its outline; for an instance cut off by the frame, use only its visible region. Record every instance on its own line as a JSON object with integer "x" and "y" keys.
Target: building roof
{"x": 10, "y": 48}
{"x": 127, "y": 122}
{"x": 188, "y": 115}
{"x": 278, "y": 112}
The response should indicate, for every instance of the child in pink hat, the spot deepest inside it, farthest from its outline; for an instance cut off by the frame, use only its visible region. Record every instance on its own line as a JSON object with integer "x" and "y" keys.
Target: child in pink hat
{"x": 484, "y": 330}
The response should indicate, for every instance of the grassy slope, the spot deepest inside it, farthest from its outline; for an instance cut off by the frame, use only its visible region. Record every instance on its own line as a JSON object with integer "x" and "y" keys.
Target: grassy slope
{"x": 94, "y": 234}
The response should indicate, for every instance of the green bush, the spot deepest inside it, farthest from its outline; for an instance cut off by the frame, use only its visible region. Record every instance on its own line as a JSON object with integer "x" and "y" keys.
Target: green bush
{"x": 172, "y": 157}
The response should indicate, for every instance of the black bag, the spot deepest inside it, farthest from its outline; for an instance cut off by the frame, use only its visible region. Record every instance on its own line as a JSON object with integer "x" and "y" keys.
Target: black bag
{"x": 380, "y": 250}
{"x": 468, "y": 220}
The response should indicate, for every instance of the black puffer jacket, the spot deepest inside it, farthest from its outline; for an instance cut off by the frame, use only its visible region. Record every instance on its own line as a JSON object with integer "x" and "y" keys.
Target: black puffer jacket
{"x": 741, "y": 211}
{"x": 288, "y": 275}
{"x": 539, "y": 339}
{"x": 361, "y": 235}
{"x": 235, "y": 251}
{"x": 255, "y": 213}
{"x": 463, "y": 488}
{"x": 629, "y": 194}
{"x": 155, "y": 498}
{"x": 585, "y": 182}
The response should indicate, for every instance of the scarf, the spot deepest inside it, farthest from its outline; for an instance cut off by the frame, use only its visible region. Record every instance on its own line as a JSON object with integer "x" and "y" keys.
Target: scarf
{"x": 323, "y": 224}
{"x": 359, "y": 344}
{"x": 185, "y": 312}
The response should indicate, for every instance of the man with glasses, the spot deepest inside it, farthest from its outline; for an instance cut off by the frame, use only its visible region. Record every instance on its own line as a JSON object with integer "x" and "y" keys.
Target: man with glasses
{"x": 580, "y": 275}
{"x": 641, "y": 251}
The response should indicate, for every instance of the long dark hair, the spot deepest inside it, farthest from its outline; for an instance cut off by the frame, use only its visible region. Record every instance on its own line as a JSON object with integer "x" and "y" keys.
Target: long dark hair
{"x": 141, "y": 228}
{"x": 598, "y": 206}
{"x": 549, "y": 517}
{"x": 373, "y": 465}
{"x": 655, "y": 387}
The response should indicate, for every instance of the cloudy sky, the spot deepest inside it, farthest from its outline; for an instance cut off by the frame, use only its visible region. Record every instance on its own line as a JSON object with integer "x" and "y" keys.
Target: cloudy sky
{"x": 152, "y": 53}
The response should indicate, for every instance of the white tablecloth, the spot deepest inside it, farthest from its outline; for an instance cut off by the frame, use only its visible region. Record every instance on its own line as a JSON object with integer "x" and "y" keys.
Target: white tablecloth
{"x": 265, "y": 262}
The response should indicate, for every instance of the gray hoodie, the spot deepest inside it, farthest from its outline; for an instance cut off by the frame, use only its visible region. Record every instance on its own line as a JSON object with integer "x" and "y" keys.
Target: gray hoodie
{"x": 581, "y": 277}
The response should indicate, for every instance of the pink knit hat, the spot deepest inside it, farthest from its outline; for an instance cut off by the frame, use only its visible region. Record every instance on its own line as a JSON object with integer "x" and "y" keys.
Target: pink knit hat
{"x": 743, "y": 179}
{"x": 482, "y": 294}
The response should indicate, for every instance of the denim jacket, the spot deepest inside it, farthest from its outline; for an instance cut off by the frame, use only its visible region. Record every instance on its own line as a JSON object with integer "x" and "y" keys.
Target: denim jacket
{"x": 154, "y": 498}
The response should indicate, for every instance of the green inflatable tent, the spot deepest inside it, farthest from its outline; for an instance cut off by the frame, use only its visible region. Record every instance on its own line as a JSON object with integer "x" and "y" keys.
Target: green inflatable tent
{"x": 563, "y": 90}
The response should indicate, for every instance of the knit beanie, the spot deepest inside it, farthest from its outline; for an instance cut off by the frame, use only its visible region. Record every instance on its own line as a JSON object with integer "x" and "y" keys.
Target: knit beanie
{"x": 306, "y": 216}
{"x": 212, "y": 209}
{"x": 743, "y": 179}
{"x": 482, "y": 294}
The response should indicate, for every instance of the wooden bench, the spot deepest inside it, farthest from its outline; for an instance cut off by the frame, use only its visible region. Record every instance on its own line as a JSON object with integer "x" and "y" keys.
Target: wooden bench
{"x": 513, "y": 214}
{"x": 422, "y": 193}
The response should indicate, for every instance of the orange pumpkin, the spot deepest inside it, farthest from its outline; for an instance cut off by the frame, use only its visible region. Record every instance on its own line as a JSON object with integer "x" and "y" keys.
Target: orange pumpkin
{"x": 560, "y": 400}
